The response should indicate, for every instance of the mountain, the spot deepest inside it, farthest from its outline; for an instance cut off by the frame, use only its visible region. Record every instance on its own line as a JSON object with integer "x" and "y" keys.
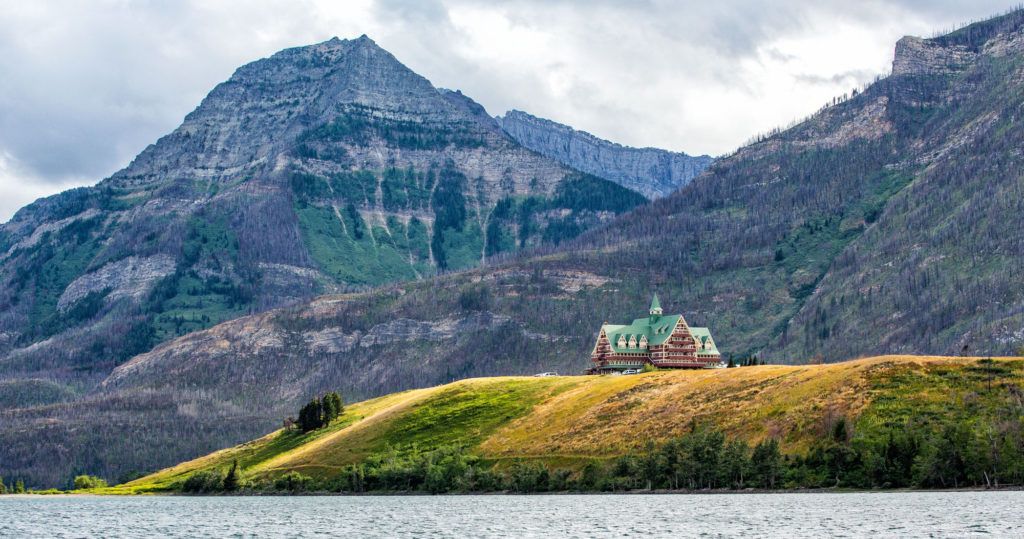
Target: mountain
{"x": 886, "y": 223}
{"x": 649, "y": 171}
{"x": 586, "y": 422}
{"x": 326, "y": 168}
{"x": 321, "y": 169}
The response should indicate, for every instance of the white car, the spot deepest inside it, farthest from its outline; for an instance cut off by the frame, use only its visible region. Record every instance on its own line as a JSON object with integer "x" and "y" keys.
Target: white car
{"x": 631, "y": 371}
{"x": 546, "y": 374}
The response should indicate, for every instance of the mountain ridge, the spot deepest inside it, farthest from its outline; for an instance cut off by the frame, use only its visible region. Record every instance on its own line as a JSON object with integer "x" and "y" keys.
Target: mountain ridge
{"x": 651, "y": 171}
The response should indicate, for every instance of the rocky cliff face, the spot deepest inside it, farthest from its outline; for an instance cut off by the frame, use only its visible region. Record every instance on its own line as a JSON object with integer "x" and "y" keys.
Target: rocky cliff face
{"x": 917, "y": 56}
{"x": 652, "y": 172}
{"x": 960, "y": 50}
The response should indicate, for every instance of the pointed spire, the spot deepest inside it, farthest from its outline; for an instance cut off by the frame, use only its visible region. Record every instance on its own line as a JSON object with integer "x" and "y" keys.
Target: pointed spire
{"x": 655, "y": 306}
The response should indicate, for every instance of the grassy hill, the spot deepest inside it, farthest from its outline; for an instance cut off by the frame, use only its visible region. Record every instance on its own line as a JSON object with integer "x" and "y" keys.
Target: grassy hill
{"x": 565, "y": 423}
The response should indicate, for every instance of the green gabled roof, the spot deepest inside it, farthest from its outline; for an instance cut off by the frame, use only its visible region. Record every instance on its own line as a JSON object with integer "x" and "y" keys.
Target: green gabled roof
{"x": 704, "y": 336}
{"x": 655, "y": 304}
{"x": 656, "y": 331}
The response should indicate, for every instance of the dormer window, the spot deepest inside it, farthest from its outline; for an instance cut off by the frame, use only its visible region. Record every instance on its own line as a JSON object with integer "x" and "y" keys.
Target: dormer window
{"x": 622, "y": 341}
{"x": 643, "y": 341}
{"x": 632, "y": 341}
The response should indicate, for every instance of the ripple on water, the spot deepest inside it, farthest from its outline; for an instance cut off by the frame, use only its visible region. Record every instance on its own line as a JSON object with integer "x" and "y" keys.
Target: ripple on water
{"x": 917, "y": 514}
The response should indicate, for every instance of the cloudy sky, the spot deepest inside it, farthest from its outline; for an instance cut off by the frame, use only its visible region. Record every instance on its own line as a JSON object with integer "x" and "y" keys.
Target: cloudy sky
{"x": 86, "y": 86}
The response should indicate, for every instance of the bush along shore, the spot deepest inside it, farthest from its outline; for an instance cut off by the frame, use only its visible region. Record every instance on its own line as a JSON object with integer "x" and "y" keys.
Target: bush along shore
{"x": 955, "y": 456}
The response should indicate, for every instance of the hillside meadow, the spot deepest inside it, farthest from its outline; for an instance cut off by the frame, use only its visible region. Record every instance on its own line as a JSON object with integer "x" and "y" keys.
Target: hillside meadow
{"x": 569, "y": 424}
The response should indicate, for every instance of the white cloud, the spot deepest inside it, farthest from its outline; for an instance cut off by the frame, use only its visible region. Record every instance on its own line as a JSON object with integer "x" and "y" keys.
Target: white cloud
{"x": 86, "y": 86}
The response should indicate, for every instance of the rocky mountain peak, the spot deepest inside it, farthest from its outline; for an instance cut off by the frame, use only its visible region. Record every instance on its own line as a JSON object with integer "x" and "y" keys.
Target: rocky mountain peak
{"x": 267, "y": 103}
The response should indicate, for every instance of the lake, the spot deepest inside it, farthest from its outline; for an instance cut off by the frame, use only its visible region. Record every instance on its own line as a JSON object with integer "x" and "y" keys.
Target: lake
{"x": 894, "y": 514}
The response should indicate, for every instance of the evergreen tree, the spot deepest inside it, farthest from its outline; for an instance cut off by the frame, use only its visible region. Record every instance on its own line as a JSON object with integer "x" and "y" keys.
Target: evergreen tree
{"x": 3, "y": 488}
{"x": 19, "y": 487}
{"x": 319, "y": 412}
{"x": 949, "y": 458}
{"x": 735, "y": 466}
{"x": 231, "y": 479}
{"x": 305, "y": 419}
{"x": 309, "y": 416}
{"x": 766, "y": 463}
{"x": 316, "y": 407}
{"x": 333, "y": 407}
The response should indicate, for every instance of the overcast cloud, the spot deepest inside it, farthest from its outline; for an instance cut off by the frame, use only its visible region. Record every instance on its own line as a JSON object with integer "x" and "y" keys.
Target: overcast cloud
{"x": 86, "y": 86}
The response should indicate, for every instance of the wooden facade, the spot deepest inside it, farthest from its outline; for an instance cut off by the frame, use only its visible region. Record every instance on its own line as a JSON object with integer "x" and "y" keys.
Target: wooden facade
{"x": 658, "y": 340}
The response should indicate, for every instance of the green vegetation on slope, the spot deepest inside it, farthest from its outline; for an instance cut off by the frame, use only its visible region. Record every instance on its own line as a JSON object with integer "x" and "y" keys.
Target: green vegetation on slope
{"x": 344, "y": 248}
{"x": 51, "y": 265}
{"x": 883, "y": 422}
{"x": 332, "y": 214}
{"x": 200, "y": 293}
{"x": 360, "y": 125}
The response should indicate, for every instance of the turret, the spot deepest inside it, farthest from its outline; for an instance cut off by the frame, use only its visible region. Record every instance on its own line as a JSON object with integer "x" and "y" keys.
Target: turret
{"x": 655, "y": 308}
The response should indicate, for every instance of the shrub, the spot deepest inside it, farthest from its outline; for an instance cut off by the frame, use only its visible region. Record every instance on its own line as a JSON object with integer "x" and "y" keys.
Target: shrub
{"x": 204, "y": 481}
{"x": 293, "y": 482}
{"x": 83, "y": 482}
{"x": 475, "y": 298}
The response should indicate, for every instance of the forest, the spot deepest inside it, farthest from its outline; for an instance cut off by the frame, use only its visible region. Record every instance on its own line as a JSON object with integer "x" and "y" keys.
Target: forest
{"x": 955, "y": 456}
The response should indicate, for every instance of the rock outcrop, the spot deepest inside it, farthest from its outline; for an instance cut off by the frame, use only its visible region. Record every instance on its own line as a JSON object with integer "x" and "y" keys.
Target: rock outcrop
{"x": 917, "y": 56}
{"x": 130, "y": 277}
{"x": 651, "y": 172}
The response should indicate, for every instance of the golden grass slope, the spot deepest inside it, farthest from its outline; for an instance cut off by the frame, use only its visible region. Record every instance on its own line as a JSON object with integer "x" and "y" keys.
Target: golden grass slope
{"x": 573, "y": 419}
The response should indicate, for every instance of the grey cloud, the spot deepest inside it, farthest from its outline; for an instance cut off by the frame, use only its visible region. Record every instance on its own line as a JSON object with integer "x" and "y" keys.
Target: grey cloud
{"x": 856, "y": 77}
{"x": 86, "y": 86}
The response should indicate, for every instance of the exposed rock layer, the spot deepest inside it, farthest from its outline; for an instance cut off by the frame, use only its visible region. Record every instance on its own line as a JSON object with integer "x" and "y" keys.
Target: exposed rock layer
{"x": 649, "y": 171}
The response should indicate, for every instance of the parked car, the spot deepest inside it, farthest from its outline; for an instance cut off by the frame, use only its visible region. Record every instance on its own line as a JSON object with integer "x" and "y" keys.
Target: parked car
{"x": 546, "y": 374}
{"x": 631, "y": 371}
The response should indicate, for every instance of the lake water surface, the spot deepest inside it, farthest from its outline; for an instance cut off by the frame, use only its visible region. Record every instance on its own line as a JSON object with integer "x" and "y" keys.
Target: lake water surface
{"x": 897, "y": 514}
